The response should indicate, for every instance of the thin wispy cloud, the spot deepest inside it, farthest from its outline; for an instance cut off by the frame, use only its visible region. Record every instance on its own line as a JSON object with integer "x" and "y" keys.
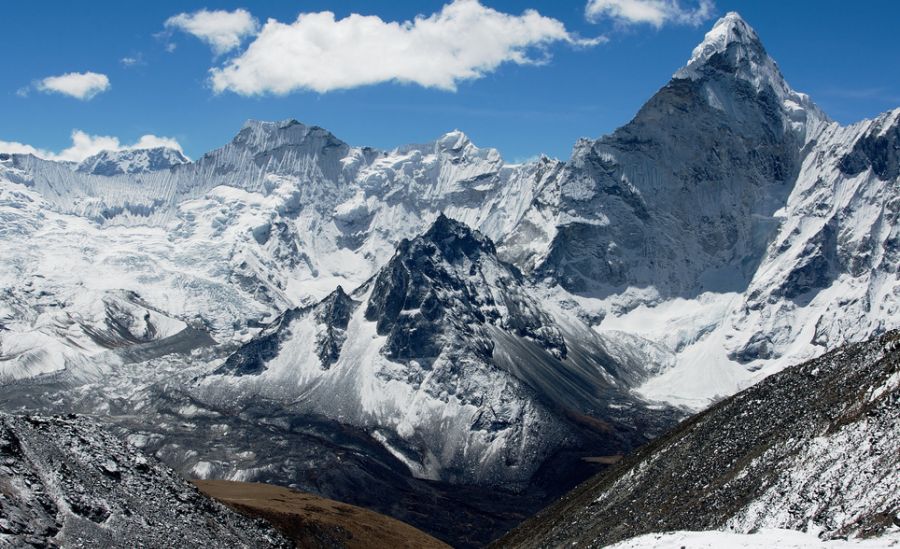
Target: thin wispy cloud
{"x": 463, "y": 41}
{"x": 222, "y": 30}
{"x": 651, "y": 12}
{"x": 132, "y": 61}
{"x": 85, "y": 145}
{"x": 80, "y": 85}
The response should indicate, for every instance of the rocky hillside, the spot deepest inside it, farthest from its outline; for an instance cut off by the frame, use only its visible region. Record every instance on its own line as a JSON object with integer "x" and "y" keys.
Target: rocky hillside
{"x": 814, "y": 447}
{"x": 66, "y": 482}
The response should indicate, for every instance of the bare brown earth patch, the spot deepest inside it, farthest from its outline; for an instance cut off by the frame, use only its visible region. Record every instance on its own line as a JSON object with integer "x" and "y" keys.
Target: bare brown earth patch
{"x": 312, "y": 521}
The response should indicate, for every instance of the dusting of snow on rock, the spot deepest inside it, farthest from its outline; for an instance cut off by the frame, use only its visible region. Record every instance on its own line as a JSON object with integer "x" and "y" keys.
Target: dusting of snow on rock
{"x": 761, "y": 539}
{"x": 67, "y": 482}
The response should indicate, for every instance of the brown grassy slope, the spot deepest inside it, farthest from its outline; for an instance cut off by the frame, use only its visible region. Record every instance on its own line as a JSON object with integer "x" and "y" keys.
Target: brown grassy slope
{"x": 312, "y": 521}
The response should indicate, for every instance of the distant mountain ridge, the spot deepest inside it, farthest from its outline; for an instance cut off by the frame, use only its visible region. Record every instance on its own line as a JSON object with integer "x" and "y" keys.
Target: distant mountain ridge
{"x": 131, "y": 161}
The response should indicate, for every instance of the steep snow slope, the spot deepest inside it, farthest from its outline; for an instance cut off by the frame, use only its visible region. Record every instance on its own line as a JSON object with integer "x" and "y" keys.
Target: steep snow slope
{"x": 131, "y": 161}
{"x": 813, "y": 448}
{"x": 457, "y": 370}
{"x": 68, "y": 483}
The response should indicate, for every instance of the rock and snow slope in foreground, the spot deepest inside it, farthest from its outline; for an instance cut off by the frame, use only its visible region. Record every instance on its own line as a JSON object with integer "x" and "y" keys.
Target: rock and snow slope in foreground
{"x": 812, "y": 448}
{"x": 66, "y": 482}
{"x": 761, "y": 539}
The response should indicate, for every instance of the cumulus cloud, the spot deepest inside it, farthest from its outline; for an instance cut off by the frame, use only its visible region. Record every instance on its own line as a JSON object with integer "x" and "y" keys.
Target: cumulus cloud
{"x": 85, "y": 145}
{"x": 653, "y": 12}
{"x": 317, "y": 52}
{"x": 150, "y": 141}
{"x": 80, "y": 85}
{"x": 222, "y": 30}
{"x": 14, "y": 147}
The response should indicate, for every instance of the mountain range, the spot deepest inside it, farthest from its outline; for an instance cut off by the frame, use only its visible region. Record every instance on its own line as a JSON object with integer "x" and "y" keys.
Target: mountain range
{"x": 449, "y": 330}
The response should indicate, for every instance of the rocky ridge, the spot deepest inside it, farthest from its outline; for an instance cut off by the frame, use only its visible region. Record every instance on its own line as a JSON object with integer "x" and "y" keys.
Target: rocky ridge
{"x": 66, "y": 482}
{"x": 814, "y": 448}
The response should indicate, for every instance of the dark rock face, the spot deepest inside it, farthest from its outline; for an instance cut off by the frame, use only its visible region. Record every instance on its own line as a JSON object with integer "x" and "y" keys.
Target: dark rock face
{"x": 252, "y": 357}
{"x": 333, "y": 312}
{"x": 816, "y": 271}
{"x": 881, "y": 153}
{"x": 583, "y": 255}
{"x": 436, "y": 288}
{"x": 759, "y": 346}
{"x": 780, "y": 454}
{"x": 68, "y": 483}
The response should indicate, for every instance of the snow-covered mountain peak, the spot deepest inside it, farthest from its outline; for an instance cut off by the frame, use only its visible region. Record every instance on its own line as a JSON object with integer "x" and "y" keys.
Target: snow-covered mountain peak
{"x": 456, "y": 147}
{"x": 132, "y": 161}
{"x": 732, "y": 50}
{"x": 454, "y": 140}
{"x": 262, "y": 136}
{"x": 731, "y": 31}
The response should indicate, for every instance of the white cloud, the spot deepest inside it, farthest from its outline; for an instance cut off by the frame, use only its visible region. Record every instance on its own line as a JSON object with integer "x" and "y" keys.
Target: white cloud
{"x": 151, "y": 141}
{"x": 222, "y": 30}
{"x": 80, "y": 85}
{"x": 85, "y": 145}
{"x": 653, "y": 12}
{"x": 464, "y": 41}
{"x": 14, "y": 147}
{"x": 132, "y": 60}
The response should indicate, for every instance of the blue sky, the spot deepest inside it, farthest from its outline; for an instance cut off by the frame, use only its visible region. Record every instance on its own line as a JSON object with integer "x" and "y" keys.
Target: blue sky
{"x": 845, "y": 55}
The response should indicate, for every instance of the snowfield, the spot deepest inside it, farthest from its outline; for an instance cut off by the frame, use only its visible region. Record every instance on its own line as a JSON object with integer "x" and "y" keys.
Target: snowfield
{"x": 763, "y": 539}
